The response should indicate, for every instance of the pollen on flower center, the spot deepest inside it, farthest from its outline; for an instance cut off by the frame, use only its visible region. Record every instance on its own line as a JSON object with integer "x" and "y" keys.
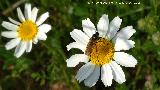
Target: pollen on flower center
{"x": 27, "y": 30}
{"x": 100, "y": 51}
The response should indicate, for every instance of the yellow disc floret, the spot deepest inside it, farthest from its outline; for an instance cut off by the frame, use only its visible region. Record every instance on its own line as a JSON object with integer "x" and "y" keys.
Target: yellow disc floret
{"x": 100, "y": 51}
{"x": 27, "y": 30}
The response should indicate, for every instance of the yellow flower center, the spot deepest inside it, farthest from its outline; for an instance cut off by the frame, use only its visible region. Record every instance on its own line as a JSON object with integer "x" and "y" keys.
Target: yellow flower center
{"x": 100, "y": 51}
{"x": 27, "y": 30}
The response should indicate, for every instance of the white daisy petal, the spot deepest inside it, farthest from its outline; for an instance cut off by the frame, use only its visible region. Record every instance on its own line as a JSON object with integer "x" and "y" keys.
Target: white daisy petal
{"x": 114, "y": 27}
{"x": 76, "y": 59}
{"x": 79, "y": 36}
{"x": 12, "y": 43}
{"x": 35, "y": 40}
{"x": 103, "y": 25}
{"x": 118, "y": 73}
{"x": 20, "y": 15}
{"x": 13, "y": 21}
{"x": 42, "y": 18}
{"x": 44, "y": 28}
{"x": 125, "y": 59}
{"x": 34, "y": 14}
{"x": 9, "y": 26}
{"x": 93, "y": 78}
{"x": 126, "y": 32}
{"x": 27, "y": 11}
{"x": 20, "y": 49}
{"x": 76, "y": 45}
{"x": 41, "y": 36}
{"x": 29, "y": 46}
{"x": 123, "y": 44}
{"x": 88, "y": 27}
{"x": 9, "y": 34}
{"x": 85, "y": 71}
{"x": 106, "y": 75}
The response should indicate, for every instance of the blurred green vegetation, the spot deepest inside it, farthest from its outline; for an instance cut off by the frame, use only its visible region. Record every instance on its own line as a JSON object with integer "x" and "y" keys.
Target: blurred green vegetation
{"x": 45, "y": 67}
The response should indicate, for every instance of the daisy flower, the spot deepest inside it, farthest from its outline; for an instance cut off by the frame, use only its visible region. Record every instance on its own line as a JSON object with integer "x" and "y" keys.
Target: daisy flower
{"x": 103, "y": 51}
{"x": 28, "y": 30}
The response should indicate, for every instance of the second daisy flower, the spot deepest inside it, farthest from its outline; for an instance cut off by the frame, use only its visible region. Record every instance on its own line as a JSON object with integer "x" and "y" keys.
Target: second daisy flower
{"x": 28, "y": 30}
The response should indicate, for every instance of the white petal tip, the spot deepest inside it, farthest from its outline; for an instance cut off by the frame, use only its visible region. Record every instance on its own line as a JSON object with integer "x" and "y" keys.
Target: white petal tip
{"x": 104, "y": 15}
{"x": 35, "y": 42}
{"x": 2, "y": 34}
{"x": 68, "y": 47}
{"x": 49, "y": 28}
{"x": 131, "y": 27}
{"x": 108, "y": 85}
{"x": 27, "y": 51}
{"x": 134, "y": 30}
{"x": 68, "y": 64}
{"x": 118, "y": 20}
{"x": 47, "y": 14}
{"x": 134, "y": 64}
{"x": 18, "y": 9}
{"x": 7, "y": 47}
{"x": 42, "y": 18}
{"x": 9, "y": 18}
{"x": 122, "y": 81}
{"x": 27, "y": 4}
{"x": 17, "y": 56}
{"x": 79, "y": 80}
{"x": 2, "y": 23}
{"x": 83, "y": 21}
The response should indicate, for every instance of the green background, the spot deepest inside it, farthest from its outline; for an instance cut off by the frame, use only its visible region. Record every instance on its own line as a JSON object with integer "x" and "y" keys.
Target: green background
{"x": 44, "y": 68}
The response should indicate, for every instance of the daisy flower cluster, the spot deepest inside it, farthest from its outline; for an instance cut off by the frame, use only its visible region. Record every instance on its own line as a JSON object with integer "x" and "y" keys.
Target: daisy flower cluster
{"x": 103, "y": 48}
{"x": 26, "y": 31}
{"x": 103, "y": 51}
